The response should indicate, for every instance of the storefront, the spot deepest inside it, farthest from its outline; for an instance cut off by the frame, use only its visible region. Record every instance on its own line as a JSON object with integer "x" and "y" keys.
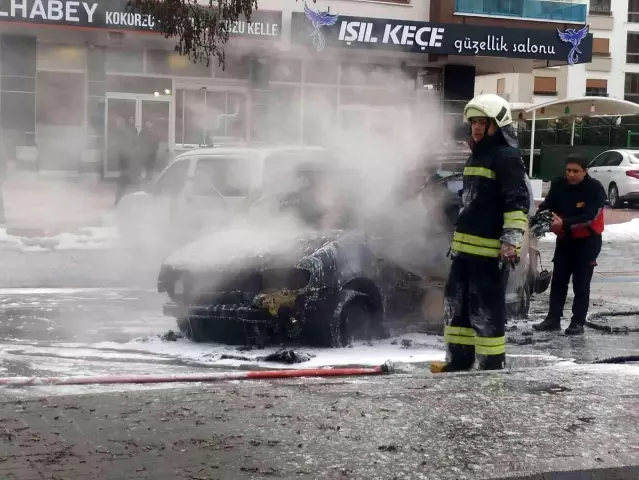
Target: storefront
{"x": 69, "y": 70}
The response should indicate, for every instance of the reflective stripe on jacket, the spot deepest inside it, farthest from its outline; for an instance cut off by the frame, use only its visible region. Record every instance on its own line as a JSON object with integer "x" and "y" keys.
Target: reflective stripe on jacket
{"x": 495, "y": 199}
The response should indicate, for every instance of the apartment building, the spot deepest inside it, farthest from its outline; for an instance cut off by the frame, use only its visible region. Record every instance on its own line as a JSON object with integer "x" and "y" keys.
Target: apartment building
{"x": 69, "y": 69}
{"x": 613, "y": 71}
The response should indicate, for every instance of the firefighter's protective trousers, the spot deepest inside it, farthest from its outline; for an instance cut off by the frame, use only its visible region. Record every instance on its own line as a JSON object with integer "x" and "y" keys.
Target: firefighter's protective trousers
{"x": 475, "y": 308}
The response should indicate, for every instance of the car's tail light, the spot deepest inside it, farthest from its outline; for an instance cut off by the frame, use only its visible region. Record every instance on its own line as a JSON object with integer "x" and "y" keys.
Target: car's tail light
{"x": 633, "y": 173}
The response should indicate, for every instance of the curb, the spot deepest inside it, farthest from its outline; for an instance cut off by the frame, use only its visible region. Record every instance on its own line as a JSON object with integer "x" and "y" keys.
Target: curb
{"x": 614, "y": 473}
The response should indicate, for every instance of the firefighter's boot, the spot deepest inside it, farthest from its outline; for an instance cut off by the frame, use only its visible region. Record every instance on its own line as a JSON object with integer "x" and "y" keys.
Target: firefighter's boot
{"x": 460, "y": 358}
{"x": 548, "y": 325}
{"x": 491, "y": 362}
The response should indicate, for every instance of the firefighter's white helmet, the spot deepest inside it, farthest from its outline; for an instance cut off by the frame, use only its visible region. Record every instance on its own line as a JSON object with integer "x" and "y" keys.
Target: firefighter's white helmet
{"x": 491, "y": 106}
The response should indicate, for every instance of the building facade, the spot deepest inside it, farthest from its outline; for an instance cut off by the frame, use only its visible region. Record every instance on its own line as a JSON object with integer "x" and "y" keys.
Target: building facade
{"x": 69, "y": 70}
{"x": 613, "y": 71}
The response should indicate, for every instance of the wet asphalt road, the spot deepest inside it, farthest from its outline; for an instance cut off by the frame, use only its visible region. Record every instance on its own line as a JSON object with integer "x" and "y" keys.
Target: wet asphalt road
{"x": 98, "y": 313}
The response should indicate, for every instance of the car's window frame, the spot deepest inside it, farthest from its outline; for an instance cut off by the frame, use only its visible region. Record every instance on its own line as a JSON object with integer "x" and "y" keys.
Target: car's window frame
{"x": 184, "y": 163}
{"x": 248, "y": 184}
{"x": 615, "y": 159}
{"x": 601, "y": 159}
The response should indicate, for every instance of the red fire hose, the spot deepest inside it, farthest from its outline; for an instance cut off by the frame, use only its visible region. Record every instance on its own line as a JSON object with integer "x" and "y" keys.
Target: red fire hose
{"x": 387, "y": 368}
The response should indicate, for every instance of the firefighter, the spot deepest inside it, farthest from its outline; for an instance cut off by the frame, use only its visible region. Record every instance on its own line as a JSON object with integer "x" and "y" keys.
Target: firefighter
{"x": 490, "y": 227}
{"x": 576, "y": 202}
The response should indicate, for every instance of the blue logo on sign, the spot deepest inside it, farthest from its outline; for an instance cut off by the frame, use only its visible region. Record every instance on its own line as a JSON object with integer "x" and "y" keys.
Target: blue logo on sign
{"x": 318, "y": 20}
{"x": 574, "y": 37}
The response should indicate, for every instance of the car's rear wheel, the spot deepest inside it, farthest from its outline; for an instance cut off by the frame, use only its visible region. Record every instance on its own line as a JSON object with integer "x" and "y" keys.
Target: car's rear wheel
{"x": 613, "y": 196}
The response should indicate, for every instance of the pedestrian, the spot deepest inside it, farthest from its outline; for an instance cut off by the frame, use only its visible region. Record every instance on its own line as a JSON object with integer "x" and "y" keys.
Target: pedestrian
{"x": 149, "y": 143}
{"x": 490, "y": 227}
{"x": 576, "y": 201}
{"x": 128, "y": 154}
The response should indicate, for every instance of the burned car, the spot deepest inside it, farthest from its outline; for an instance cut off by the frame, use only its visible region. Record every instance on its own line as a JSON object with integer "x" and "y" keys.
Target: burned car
{"x": 313, "y": 268}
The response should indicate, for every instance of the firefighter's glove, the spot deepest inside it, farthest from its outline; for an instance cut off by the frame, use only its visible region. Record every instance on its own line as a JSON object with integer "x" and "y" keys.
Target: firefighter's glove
{"x": 541, "y": 223}
{"x": 509, "y": 256}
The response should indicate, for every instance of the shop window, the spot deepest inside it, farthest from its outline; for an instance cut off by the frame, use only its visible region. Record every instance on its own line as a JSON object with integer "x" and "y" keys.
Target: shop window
{"x": 545, "y": 86}
{"x": 162, "y": 62}
{"x": 596, "y": 87}
{"x": 501, "y": 86}
{"x": 371, "y": 96}
{"x": 237, "y": 68}
{"x": 276, "y": 117}
{"x": 124, "y": 61}
{"x": 142, "y": 85}
{"x": 60, "y": 98}
{"x": 320, "y": 71}
{"x": 633, "y": 11}
{"x": 204, "y": 118}
{"x": 632, "y": 48}
{"x": 320, "y": 113}
{"x": 60, "y": 57}
{"x": 286, "y": 70}
{"x": 601, "y": 47}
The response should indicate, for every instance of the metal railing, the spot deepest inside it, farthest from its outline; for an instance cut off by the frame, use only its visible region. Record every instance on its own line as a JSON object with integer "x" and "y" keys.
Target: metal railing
{"x": 537, "y": 9}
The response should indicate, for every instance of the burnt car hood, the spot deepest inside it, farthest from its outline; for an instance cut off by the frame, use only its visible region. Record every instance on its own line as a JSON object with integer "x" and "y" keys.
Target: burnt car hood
{"x": 246, "y": 248}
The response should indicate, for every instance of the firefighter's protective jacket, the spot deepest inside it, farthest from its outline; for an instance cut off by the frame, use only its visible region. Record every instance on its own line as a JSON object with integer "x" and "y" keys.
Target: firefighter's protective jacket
{"x": 495, "y": 200}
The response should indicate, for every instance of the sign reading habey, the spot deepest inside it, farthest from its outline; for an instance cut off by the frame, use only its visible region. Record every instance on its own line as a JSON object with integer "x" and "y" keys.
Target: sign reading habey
{"x": 115, "y": 14}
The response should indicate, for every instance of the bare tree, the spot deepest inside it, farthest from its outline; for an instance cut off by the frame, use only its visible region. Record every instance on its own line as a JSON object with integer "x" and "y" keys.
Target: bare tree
{"x": 201, "y": 28}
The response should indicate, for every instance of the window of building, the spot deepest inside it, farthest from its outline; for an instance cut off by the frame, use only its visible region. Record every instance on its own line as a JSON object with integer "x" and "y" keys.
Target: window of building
{"x": 204, "y": 118}
{"x": 633, "y": 11}
{"x": 321, "y": 71}
{"x": 600, "y": 7}
{"x": 601, "y": 47}
{"x": 124, "y": 61}
{"x": 632, "y": 48}
{"x": 162, "y": 62}
{"x": 144, "y": 85}
{"x": 631, "y": 90}
{"x": 52, "y": 56}
{"x": 545, "y": 86}
{"x": 501, "y": 86}
{"x": 60, "y": 98}
{"x": 596, "y": 87}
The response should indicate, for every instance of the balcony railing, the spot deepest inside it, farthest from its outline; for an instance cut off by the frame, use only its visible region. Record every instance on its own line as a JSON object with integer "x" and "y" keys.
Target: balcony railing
{"x": 525, "y": 9}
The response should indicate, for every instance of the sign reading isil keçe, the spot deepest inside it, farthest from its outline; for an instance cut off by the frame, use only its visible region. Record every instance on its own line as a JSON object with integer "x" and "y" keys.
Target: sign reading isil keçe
{"x": 115, "y": 15}
{"x": 323, "y": 29}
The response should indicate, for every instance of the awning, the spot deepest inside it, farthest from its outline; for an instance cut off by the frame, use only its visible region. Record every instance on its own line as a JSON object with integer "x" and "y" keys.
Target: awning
{"x": 574, "y": 108}
{"x": 581, "y": 107}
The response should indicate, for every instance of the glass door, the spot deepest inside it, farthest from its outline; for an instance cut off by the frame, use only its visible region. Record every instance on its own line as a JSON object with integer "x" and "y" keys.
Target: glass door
{"x": 120, "y": 122}
{"x": 155, "y": 125}
{"x": 138, "y": 125}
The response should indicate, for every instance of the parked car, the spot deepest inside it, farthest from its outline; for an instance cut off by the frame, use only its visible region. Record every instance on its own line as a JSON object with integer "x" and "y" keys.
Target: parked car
{"x": 203, "y": 188}
{"x": 618, "y": 172}
{"x": 330, "y": 283}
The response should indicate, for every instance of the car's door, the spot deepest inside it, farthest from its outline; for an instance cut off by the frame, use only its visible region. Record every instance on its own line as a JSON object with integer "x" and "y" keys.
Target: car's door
{"x": 217, "y": 190}
{"x": 611, "y": 171}
{"x": 596, "y": 167}
{"x": 167, "y": 190}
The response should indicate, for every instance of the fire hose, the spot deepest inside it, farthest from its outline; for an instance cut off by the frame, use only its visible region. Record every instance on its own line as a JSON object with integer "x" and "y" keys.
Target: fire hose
{"x": 607, "y": 328}
{"x": 386, "y": 368}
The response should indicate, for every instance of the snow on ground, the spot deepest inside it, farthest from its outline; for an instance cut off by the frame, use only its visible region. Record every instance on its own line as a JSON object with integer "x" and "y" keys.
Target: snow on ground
{"x": 88, "y": 238}
{"x": 620, "y": 232}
